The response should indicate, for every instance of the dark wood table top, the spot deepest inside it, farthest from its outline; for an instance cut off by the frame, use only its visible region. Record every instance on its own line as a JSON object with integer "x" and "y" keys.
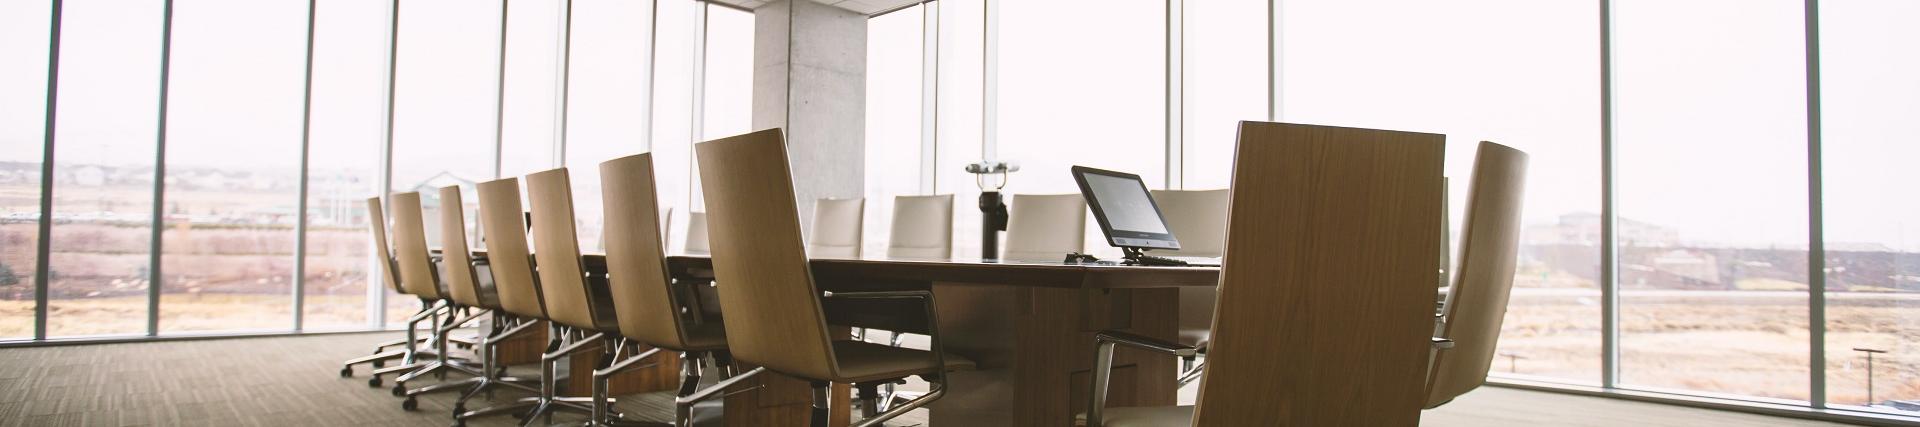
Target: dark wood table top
{"x": 965, "y": 270}
{"x": 986, "y": 272}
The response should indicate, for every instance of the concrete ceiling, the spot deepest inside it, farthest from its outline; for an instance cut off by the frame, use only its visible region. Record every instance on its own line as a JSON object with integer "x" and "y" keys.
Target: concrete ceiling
{"x": 864, "y": 7}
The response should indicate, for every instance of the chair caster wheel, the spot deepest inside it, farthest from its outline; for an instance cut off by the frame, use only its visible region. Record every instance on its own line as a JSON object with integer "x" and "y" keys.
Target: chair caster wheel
{"x": 346, "y": 372}
{"x": 374, "y": 382}
{"x": 399, "y": 390}
{"x": 410, "y": 404}
{"x": 379, "y": 364}
{"x": 459, "y": 408}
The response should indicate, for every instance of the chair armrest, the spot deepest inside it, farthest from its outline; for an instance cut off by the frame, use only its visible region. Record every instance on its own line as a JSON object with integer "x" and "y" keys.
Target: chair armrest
{"x": 933, "y": 320}
{"x": 1104, "y": 343}
{"x": 1146, "y": 343}
{"x": 1442, "y": 343}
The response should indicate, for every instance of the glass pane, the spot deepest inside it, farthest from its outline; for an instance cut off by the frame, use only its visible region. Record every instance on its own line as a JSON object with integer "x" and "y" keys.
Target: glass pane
{"x": 233, "y": 165}
{"x": 530, "y": 118}
{"x": 1225, "y": 82}
{"x": 1345, "y": 64}
{"x": 1084, "y": 86}
{"x": 726, "y": 87}
{"x": 23, "y": 105}
{"x": 1868, "y": 101}
{"x": 672, "y": 134}
{"x": 894, "y": 57}
{"x": 103, "y": 183}
{"x": 608, "y": 100}
{"x": 445, "y": 97}
{"x": 1711, "y": 142}
{"x": 343, "y": 165}
{"x": 958, "y": 100}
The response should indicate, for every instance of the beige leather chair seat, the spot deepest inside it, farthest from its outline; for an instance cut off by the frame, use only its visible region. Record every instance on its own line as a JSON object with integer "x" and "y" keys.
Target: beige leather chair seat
{"x": 863, "y": 361}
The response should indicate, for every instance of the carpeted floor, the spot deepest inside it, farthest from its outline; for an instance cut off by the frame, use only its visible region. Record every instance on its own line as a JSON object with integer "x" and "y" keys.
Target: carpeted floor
{"x": 294, "y": 381}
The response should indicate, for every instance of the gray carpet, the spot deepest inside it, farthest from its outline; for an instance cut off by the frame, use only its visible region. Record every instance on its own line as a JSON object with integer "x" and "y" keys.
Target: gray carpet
{"x": 286, "y": 381}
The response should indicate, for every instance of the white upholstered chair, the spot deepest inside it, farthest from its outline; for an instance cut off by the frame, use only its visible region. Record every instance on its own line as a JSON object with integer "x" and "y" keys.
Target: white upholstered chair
{"x": 922, "y": 227}
{"x": 837, "y": 228}
{"x": 1045, "y": 227}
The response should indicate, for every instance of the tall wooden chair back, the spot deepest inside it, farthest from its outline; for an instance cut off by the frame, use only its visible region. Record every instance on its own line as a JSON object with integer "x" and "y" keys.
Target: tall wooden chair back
{"x": 1326, "y": 292}
{"x": 838, "y": 225}
{"x": 759, "y": 259}
{"x": 417, "y": 276}
{"x": 636, "y": 258}
{"x": 1045, "y": 227}
{"x": 1477, "y": 301}
{"x": 556, "y": 248}
{"x": 507, "y": 254}
{"x": 922, "y": 227}
{"x": 377, "y": 219}
{"x": 462, "y": 286}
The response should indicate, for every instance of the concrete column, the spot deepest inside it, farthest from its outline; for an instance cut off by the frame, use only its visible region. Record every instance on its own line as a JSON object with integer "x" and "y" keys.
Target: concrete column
{"x": 809, "y": 77}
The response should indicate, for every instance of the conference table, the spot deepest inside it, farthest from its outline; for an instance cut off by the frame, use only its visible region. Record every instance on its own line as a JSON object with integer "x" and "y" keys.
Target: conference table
{"x": 1028, "y": 326}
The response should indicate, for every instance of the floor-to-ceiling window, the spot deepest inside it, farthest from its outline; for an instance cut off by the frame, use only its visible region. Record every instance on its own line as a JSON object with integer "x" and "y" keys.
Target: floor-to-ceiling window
{"x": 726, "y": 80}
{"x": 1869, "y": 57}
{"x": 232, "y": 165}
{"x": 344, "y": 160}
{"x": 675, "y": 46}
{"x": 960, "y": 80}
{"x": 109, "y": 87}
{"x": 1710, "y": 139}
{"x": 443, "y": 107}
{"x": 1224, "y": 82}
{"x": 24, "y": 35}
{"x": 1414, "y": 66}
{"x": 895, "y": 48}
{"x": 1081, "y": 86}
{"x": 607, "y": 97}
{"x": 529, "y": 121}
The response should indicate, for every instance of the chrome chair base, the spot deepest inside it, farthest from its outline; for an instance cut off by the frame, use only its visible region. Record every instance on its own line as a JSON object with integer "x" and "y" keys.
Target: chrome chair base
{"x": 566, "y": 342}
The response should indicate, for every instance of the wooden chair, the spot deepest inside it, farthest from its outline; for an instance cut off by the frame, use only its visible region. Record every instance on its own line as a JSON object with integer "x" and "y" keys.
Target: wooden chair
{"x": 1045, "y": 227}
{"x": 512, "y": 266}
{"x": 1199, "y": 219}
{"x": 471, "y": 289}
{"x": 774, "y": 316}
{"x": 646, "y": 301}
{"x": 419, "y": 278}
{"x": 837, "y": 228}
{"x": 1477, "y": 301}
{"x": 580, "y": 317}
{"x": 1324, "y": 315}
{"x": 922, "y": 227}
{"x": 463, "y": 290}
{"x": 404, "y": 349}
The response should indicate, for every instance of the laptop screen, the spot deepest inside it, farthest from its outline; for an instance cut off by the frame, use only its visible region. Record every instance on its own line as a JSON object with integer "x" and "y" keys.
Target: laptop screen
{"x": 1124, "y": 208}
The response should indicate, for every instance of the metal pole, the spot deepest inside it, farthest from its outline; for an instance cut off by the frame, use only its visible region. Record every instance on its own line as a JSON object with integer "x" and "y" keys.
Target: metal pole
{"x": 500, "y": 94}
{"x": 42, "y": 263}
{"x": 306, "y": 147}
{"x": 1816, "y": 225}
{"x": 1175, "y": 95}
{"x": 929, "y": 97}
{"x": 155, "y": 277}
{"x": 990, "y": 81}
{"x": 379, "y": 300}
{"x": 1273, "y": 61}
{"x": 1609, "y": 218}
{"x": 566, "y": 71}
{"x": 653, "y": 44}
